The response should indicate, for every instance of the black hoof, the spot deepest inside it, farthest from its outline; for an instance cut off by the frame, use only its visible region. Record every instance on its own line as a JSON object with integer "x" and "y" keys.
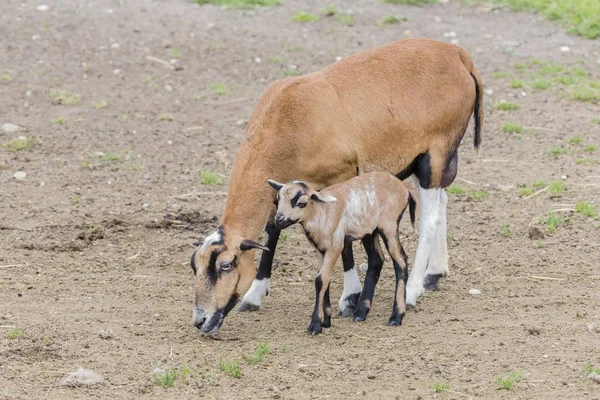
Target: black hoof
{"x": 248, "y": 307}
{"x": 315, "y": 328}
{"x": 431, "y": 281}
{"x": 360, "y": 314}
{"x": 351, "y": 304}
{"x": 396, "y": 320}
{"x": 327, "y": 323}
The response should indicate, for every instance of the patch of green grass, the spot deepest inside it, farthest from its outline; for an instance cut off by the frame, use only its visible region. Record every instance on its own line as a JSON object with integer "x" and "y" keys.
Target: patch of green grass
{"x": 526, "y": 191}
{"x": 240, "y": 3}
{"x": 479, "y": 195}
{"x": 231, "y": 368}
{"x": 456, "y": 189}
{"x": 219, "y": 89}
{"x": 539, "y": 243}
{"x": 505, "y": 231}
{"x": 64, "y": 97}
{"x": 575, "y": 140}
{"x": 512, "y": 128}
{"x": 167, "y": 379}
{"x": 585, "y": 94}
{"x": 59, "y": 120}
{"x": 409, "y": 2}
{"x": 99, "y": 104}
{"x": 165, "y": 117}
{"x": 557, "y": 187}
{"x": 75, "y": 199}
{"x": 552, "y": 221}
{"x": 15, "y": 333}
{"x": 580, "y": 16}
{"x": 588, "y": 369}
{"x": 330, "y": 11}
{"x": 558, "y": 151}
{"x": 508, "y": 106}
{"x": 209, "y": 178}
{"x": 587, "y": 209}
{"x": 345, "y": 19}
{"x": 511, "y": 379}
{"x": 590, "y": 148}
{"x": 5, "y": 78}
{"x": 551, "y": 69}
{"x": 517, "y": 84}
{"x": 539, "y": 184}
{"x": 111, "y": 157}
{"x": 441, "y": 387}
{"x": 392, "y": 20}
{"x": 499, "y": 74}
{"x": 449, "y": 236}
{"x": 149, "y": 79}
{"x": 520, "y": 67}
{"x": 20, "y": 144}
{"x": 277, "y": 60}
{"x": 260, "y": 351}
{"x": 304, "y": 17}
{"x": 540, "y": 84}
{"x": 583, "y": 160}
{"x": 285, "y": 236}
{"x": 290, "y": 72}
{"x": 595, "y": 121}
{"x": 176, "y": 53}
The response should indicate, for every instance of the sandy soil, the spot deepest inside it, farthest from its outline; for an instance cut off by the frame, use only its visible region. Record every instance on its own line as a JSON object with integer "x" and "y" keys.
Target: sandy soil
{"x": 95, "y": 242}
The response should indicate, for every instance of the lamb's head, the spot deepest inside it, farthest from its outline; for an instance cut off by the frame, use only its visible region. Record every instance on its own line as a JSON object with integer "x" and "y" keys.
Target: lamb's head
{"x": 224, "y": 269}
{"x": 294, "y": 200}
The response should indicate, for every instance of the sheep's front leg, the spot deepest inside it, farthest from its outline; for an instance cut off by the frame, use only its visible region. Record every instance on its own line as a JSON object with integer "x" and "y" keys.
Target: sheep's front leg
{"x": 262, "y": 282}
{"x": 322, "y": 293}
{"x": 437, "y": 265}
{"x": 371, "y": 244}
{"x": 352, "y": 286}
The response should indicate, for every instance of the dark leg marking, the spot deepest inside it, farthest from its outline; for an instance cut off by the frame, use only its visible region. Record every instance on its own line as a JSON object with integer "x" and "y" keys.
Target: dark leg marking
{"x": 375, "y": 263}
{"x": 348, "y": 262}
{"x": 315, "y": 324}
{"x": 431, "y": 281}
{"x": 326, "y": 309}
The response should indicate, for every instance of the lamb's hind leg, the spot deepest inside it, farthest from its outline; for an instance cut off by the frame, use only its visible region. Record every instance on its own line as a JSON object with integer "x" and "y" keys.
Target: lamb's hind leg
{"x": 373, "y": 249}
{"x": 398, "y": 255}
{"x": 352, "y": 286}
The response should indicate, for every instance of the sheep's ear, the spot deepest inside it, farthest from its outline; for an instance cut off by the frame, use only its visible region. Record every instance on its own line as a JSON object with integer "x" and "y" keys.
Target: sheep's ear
{"x": 322, "y": 199}
{"x": 274, "y": 184}
{"x": 248, "y": 244}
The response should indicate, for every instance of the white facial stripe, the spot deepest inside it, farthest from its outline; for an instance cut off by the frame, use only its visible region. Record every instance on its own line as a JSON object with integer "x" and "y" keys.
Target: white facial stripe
{"x": 212, "y": 238}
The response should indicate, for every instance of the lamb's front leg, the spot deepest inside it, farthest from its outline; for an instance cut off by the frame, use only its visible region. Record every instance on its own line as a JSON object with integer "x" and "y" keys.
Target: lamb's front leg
{"x": 318, "y": 321}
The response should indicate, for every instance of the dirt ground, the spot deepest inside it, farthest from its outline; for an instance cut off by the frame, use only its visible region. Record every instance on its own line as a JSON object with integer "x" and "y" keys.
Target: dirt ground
{"x": 95, "y": 241}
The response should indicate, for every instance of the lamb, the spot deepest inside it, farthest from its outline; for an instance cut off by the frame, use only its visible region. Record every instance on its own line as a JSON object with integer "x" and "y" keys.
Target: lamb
{"x": 363, "y": 207}
{"x": 401, "y": 108}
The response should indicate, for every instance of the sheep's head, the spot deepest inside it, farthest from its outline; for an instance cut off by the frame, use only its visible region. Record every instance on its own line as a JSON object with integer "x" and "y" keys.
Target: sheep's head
{"x": 224, "y": 269}
{"x": 293, "y": 202}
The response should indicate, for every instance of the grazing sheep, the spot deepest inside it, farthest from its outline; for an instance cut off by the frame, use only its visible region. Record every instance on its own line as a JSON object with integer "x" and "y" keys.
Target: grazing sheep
{"x": 402, "y": 108}
{"x": 366, "y": 206}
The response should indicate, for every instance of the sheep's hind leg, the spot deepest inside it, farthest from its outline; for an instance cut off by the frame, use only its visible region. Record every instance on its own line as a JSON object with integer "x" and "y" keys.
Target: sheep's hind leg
{"x": 262, "y": 282}
{"x": 352, "y": 286}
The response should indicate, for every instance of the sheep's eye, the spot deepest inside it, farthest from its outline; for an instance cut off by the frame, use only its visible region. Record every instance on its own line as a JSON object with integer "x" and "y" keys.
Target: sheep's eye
{"x": 301, "y": 205}
{"x": 227, "y": 267}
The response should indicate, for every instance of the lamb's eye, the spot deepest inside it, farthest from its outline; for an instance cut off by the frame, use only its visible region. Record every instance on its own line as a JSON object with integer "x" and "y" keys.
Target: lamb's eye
{"x": 301, "y": 205}
{"x": 227, "y": 267}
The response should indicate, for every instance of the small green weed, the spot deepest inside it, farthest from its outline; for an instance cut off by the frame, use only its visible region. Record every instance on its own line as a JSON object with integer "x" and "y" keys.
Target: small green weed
{"x": 14, "y": 334}
{"x": 304, "y": 17}
{"x": 539, "y": 184}
{"x": 449, "y": 236}
{"x": 595, "y": 121}
{"x": 508, "y": 106}
{"x": 512, "y": 128}
{"x": 20, "y": 144}
{"x": 260, "y": 351}
{"x": 553, "y": 221}
{"x": 499, "y": 74}
{"x": 184, "y": 374}
{"x": 99, "y": 104}
{"x": 517, "y": 84}
{"x": 345, "y": 19}
{"x": 440, "y": 387}
{"x": 505, "y": 231}
{"x": 290, "y": 72}
{"x": 587, "y": 209}
{"x": 409, "y": 2}
{"x": 588, "y": 369}
{"x": 209, "y": 178}
{"x": 75, "y": 199}
{"x": 557, "y": 187}
{"x": 575, "y": 140}
{"x": 277, "y": 60}
{"x": 231, "y": 368}
{"x": 509, "y": 382}
{"x": 590, "y": 149}
{"x": 240, "y": 3}
{"x": 219, "y": 89}
{"x": 167, "y": 379}
{"x": 165, "y": 117}
{"x": 540, "y": 84}
{"x": 176, "y": 53}
{"x": 520, "y": 67}
{"x": 557, "y": 151}
{"x": 583, "y": 160}
{"x": 285, "y": 236}
{"x": 479, "y": 195}
{"x": 5, "y": 78}
{"x": 392, "y": 20}
{"x": 539, "y": 243}
{"x": 330, "y": 11}
{"x": 585, "y": 94}
{"x": 456, "y": 189}
{"x": 64, "y": 97}
{"x": 526, "y": 191}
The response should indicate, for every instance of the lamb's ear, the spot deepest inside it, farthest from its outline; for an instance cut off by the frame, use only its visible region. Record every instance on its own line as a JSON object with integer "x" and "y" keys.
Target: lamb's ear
{"x": 275, "y": 185}
{"x": 322, "y": 198}
{"x": 248, "y": 244}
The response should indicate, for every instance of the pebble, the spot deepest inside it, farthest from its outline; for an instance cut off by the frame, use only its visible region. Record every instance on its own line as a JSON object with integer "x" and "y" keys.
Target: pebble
{"x": 240, "y": 122}
{"x": 593, "y": 327}
{"x": 594, "y": 376}
{"x": 107, "y": 334}
{"x": 450, "y": 34}
{"x": 437, "y": 19}
{"x": 338, "y": 58}
{"x": 474, "y": 292}
{"x": 117, "y": 71}
{"x": 115, "y": 45}
{"x": 35, "y": 37}
{"x": 565, "y": 49}
{"x": 168, "y": 88}
{"x": 489, "y": 91}
{"x": 145, "y": 205}
{"x": 257, "y": 60}
{"x": 9, "y": 128}
{"x": 81, "y": 377}
{"x": 20, "y": 175}
{"x": 363, "y": 267}
{"x": 43, "y": 7}
{"x": 454, "y": 41}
